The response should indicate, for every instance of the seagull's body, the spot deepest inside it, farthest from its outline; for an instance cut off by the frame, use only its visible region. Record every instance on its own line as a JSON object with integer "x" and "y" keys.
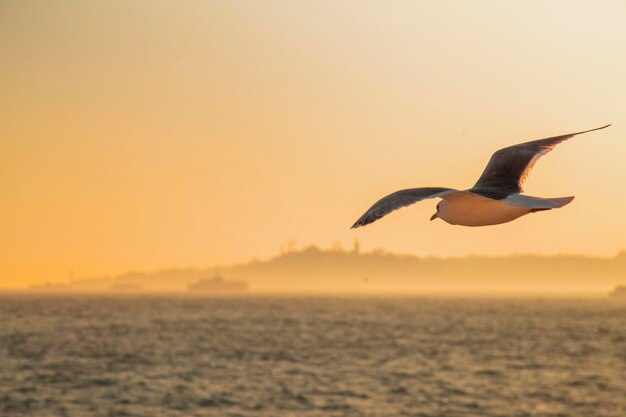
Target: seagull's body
{"x": 465, "y": 208}
{"x": 497, "y": 196}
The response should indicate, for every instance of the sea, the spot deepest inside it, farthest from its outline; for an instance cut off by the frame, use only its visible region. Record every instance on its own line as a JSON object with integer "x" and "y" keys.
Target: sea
{"x": 88, "y": 355}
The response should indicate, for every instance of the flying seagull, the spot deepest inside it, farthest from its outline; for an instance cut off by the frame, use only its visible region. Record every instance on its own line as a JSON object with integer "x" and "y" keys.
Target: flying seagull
{"x": 497, "y": 196}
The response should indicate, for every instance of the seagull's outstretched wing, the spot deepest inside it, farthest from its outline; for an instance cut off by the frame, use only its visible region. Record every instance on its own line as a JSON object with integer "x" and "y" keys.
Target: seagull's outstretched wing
{"x": 508, "y": 168}
{"x": 398, "y": 200}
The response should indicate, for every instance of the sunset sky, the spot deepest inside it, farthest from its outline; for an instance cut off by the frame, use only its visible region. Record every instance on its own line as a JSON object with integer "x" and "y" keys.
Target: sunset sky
{"x": 150, "y": 134}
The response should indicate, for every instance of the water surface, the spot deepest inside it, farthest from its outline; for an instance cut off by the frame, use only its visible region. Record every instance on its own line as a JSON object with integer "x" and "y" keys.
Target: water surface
{"x": 175, "y": 356}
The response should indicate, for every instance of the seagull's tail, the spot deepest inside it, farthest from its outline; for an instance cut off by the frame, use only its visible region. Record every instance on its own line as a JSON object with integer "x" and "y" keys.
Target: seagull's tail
{"x": 537, "y": 203}
{"x": 560, "y": 201}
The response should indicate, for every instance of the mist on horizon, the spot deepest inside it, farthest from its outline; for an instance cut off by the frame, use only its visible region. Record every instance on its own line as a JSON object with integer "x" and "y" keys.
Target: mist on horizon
{"x": 312, "y": 271}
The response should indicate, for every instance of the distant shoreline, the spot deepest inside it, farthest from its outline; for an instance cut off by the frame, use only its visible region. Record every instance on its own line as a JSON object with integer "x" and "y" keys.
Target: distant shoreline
{"x": 312, "y": 271}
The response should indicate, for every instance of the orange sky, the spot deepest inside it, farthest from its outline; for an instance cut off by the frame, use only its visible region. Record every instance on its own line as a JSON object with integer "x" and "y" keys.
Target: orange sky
{"x": 141, "y": 135}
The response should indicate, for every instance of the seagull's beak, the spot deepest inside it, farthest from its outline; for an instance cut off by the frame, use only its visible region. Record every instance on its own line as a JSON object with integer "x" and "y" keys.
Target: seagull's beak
{"x": 433, "y": 217}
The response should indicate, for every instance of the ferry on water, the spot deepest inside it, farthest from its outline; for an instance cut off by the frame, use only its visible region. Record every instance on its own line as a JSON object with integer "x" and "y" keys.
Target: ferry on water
{"x": 218, "y": 286}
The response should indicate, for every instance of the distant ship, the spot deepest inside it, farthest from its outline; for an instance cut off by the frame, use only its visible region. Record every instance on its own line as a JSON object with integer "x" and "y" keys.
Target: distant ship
{"x": 619, "y": 292}
{"x": 217, "y": 286}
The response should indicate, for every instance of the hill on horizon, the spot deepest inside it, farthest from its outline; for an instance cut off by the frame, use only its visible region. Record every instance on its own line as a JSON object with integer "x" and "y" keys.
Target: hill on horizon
{"x": 315, "y": 270}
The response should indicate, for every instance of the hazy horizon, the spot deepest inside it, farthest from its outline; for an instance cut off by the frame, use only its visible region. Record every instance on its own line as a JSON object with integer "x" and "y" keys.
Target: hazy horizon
{"x": 312, "y": 271}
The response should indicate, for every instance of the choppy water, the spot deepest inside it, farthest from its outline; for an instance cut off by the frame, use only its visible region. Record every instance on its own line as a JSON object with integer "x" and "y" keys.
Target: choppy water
{"x": 98, "y": 356}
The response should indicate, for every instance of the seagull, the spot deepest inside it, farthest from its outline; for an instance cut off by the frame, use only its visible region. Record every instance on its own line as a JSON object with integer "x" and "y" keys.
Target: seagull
{"x": 495, "y": 199}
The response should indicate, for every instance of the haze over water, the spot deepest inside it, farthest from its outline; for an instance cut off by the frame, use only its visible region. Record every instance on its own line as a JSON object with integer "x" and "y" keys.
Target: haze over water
{"x": 177, "y": 356}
